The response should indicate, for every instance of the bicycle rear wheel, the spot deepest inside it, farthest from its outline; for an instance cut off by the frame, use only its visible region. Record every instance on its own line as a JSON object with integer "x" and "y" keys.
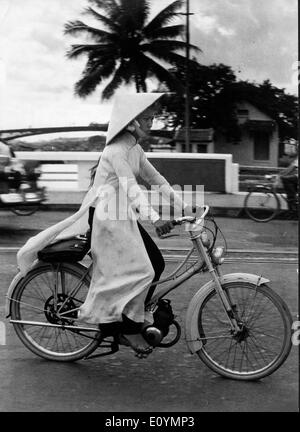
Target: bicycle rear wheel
{"x": 38, "y": 300}
{"x": 262, "y": 345}
{"x": 262, "y": 205}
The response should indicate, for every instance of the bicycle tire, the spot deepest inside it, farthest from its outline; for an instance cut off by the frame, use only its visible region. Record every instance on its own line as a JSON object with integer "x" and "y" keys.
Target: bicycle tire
{"x": 262, "y": 213}
{"x": 31, "y": 289}
{"x": 208, "y": 352}
{"x": 25, "y": 210}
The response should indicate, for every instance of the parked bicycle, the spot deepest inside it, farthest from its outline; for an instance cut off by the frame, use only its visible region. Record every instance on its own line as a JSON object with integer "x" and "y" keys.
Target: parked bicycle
{"x": 237, "y": 325}
{"x": 263, "y": 201}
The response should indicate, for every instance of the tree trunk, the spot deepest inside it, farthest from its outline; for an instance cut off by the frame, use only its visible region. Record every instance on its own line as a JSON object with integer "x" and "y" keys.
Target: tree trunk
{"x": 137, "y": 84}
{"x": 140, "y": 84}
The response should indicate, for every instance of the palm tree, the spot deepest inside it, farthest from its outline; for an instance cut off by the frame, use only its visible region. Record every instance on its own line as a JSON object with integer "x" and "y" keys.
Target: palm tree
{"x": 128, "y": 48}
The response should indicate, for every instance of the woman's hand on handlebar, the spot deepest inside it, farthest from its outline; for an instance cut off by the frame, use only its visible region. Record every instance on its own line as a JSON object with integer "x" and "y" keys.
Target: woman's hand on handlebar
{"x": 189, "y": 211}
{"x": 163, "y": 227}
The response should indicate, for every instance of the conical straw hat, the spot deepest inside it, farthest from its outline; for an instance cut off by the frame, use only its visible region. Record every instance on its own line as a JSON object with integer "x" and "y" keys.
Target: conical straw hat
{"x": 126, "y": 108}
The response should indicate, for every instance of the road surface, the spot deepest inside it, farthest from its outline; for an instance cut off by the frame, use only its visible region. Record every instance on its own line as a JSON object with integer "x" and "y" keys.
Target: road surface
{"x": 169, "y": 380}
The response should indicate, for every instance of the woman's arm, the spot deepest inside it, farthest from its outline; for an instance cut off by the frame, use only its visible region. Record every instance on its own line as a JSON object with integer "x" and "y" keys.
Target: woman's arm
{"x": 127, "y": 180}
{"x": 291, "y": 170}
{"x": 153, "y": 177}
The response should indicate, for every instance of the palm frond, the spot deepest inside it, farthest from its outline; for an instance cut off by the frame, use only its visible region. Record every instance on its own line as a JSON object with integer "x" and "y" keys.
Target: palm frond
{"x": 78, "y": 27}
{"x": 116, "y": 81}
{"x": 162, "y": 74}
{"x": 111, "y": 8}
{"x": 86, "y": 49}
{"x": 107, "y": 21}
{"x": 93, "y": 74}
{"x": 163, "y": 17}
{"x": 106, "y": 5}
{"x": 87, "y": 84}
{"x": 104, "y": 67}
{"x": 167, "y": 45}
{"x": 171, "y": 57}
{"x": 167, "y": 32}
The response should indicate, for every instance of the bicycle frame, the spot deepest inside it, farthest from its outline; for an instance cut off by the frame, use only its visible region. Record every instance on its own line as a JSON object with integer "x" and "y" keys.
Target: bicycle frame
{"x": 203, "y": 260}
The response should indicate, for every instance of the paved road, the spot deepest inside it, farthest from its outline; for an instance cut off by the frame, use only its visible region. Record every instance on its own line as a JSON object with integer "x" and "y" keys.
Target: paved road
{"x": 168, "y": 380}
{"x": 240, "y": 233}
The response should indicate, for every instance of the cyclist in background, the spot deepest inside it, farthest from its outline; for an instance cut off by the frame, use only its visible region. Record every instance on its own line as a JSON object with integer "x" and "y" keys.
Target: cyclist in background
{"x": 11, "y": 169}
{"x": 289, "y": 178}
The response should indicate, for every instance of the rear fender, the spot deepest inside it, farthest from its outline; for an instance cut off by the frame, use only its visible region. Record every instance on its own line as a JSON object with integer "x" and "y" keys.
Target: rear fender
{"x": 191, "y": 322}
{"x": 10, "y": 290}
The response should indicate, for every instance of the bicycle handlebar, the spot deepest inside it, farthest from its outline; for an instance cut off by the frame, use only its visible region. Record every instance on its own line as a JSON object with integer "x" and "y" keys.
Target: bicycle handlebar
{"x": 191, "y": 219}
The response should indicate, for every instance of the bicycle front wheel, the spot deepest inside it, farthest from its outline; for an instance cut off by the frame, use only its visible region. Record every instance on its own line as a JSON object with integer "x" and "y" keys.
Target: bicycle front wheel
{"x": 45, "y": 301}
{"x": 263, "y": 343}
{"x": 261, "y": 205}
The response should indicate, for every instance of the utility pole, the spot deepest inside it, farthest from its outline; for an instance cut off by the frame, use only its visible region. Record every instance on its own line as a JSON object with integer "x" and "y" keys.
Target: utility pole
{"x": 187, "y": 80}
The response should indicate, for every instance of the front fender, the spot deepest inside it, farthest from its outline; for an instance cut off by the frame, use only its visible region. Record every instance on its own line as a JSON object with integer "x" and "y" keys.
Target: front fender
{"x": 191, "y": 321}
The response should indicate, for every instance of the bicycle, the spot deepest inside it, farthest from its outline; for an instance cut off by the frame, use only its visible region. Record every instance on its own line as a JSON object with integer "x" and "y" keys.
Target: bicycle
{"x": 262, "y": 203}
{"x": 238, "y": 326}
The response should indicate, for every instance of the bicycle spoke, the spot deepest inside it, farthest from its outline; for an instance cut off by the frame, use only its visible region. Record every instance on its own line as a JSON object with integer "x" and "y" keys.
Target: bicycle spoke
{"x": 261, "y": 347}
{"x": 216, "y": 318}
{"x": 248, "y": 352}
{"x": 266, "y": 334}
{"x": 257, "y": 313}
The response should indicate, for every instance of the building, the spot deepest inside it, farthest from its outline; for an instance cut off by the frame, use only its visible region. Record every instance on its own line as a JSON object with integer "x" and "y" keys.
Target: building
{"x": 258, "y": 145}
{"x": 201, "y": 140}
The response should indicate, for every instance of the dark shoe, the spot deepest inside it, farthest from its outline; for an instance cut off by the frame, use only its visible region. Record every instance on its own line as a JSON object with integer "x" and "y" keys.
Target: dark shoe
{"x": 110, "y": 329}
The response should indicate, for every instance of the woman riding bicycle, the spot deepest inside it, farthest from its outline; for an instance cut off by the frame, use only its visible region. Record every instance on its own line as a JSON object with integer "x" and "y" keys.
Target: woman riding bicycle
{"x": 126, "y": 260}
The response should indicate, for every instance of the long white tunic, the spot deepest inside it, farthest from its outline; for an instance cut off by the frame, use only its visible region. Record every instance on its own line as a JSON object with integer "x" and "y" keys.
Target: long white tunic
{"x": 122, "y": 271}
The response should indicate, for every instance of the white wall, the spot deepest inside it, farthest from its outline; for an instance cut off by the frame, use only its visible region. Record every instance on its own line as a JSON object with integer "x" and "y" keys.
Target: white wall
{"x": 75, "y": 175}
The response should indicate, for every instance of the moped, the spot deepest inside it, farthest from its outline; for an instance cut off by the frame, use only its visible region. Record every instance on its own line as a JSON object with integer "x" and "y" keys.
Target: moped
{"x": 237, "y": 325}
{"x": 19, "y": 189}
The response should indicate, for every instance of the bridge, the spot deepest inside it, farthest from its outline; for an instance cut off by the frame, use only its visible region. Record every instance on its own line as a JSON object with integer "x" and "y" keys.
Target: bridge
{"x": 66, "y": 174}
{"x": 11, "y": 134}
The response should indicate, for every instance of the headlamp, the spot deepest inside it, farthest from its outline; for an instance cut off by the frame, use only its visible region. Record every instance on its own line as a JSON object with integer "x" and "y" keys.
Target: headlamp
{"x": 217, "y": 255}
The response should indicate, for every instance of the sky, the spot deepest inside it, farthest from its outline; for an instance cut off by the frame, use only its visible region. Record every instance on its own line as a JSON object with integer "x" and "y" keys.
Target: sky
{"x": 258, "y": 39}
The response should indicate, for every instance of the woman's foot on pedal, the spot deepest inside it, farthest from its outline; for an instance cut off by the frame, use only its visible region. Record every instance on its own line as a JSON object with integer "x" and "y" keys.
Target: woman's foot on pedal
{"x": 137, "y": 343}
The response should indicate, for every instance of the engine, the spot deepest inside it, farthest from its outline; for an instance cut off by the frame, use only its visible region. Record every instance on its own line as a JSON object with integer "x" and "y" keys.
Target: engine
{"x": 163, "y": 318}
